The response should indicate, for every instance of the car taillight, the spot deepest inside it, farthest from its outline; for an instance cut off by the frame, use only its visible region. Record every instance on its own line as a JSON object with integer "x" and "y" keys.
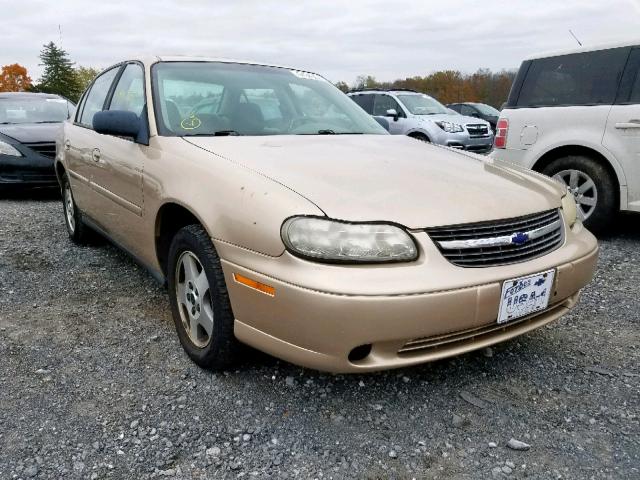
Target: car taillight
{"x": 502, "y": 128}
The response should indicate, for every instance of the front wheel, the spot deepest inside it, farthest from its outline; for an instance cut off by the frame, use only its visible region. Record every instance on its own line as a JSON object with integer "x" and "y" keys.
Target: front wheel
{"x": 592, "y": 187}
{"x": 199, "y": 300}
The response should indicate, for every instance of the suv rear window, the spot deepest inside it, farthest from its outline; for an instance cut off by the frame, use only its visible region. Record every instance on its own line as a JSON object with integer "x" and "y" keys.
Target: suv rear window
{"x": 589, "y": 78}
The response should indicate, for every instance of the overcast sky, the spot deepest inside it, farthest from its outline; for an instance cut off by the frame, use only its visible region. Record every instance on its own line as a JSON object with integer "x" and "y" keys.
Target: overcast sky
{"x": 384, "y": 38}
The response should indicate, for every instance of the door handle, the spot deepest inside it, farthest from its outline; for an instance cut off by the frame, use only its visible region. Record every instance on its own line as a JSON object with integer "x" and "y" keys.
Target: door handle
{"x": 630, "y": 124}
{"x": 67, "y": 145}
{"x": 95, "y": 155}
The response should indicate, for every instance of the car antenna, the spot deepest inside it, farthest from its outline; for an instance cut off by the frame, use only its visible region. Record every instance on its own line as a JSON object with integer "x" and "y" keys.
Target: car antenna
{"x": 576, "y": 38}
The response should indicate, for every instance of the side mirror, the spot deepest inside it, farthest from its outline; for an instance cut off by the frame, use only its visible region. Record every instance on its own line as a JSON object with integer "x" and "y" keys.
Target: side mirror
{"x": 120, "y": 123}
{"x": 392, "y": 112}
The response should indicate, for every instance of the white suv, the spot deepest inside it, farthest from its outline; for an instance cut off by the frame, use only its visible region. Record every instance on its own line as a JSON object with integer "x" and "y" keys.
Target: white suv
{"x": 575, "y": 116}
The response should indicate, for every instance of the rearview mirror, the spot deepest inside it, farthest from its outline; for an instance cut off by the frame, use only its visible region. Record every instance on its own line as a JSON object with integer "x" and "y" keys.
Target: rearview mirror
{"x": 392, "y": 112}
{"x": 120, "y": 123}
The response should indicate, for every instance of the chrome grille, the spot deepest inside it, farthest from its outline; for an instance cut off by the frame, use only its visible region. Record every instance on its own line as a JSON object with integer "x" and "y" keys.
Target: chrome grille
{"x": 477, "y": 130}
{"x": 502, "y": 242}
{"x": 45, "y": 149}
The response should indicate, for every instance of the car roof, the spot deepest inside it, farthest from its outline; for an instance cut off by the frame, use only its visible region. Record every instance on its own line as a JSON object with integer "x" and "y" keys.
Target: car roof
{"x": 150, "y": 59}
{"x": 586, "y": 48}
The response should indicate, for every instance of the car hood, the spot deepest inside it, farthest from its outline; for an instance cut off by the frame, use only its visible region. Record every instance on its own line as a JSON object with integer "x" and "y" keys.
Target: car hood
{"x": 390, "y": 177}
{"x": 451, "y": 117}
{"x": 32, "y": 132}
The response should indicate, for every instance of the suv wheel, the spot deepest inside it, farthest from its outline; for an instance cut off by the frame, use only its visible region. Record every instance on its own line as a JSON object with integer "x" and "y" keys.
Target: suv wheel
{"x": 592, "y": 187}
{"x": 199, "y": 300}
{"x": 78, "y": 232}
{"x": 420, "y": 136}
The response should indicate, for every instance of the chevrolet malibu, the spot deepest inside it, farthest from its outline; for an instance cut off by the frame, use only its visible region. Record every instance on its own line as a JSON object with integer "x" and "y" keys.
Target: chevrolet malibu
{"x": 282, "y": 216}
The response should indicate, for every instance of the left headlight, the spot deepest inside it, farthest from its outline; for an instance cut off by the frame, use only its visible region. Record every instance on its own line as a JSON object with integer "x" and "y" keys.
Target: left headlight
{"x": 336, "y": 241}
{"x": 570, "y": 209}
{"x": 6, "y": 149}
{"x": 450, "y": 127}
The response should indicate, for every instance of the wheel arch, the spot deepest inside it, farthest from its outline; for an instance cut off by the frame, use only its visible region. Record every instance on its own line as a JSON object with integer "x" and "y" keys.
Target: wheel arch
{"x": 170, "y": 218}
{"x": 567, "y": 150}
{"x": 419, "y": 133}
{"x": 60, "y": 171}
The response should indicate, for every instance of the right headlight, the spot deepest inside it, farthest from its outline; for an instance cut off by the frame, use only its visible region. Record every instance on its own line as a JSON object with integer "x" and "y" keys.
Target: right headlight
{"x": 328, "y": 240}
{"x": 450, "y": 127}
{"x": 570, "y": 209}
{"x": 6, "y": 149}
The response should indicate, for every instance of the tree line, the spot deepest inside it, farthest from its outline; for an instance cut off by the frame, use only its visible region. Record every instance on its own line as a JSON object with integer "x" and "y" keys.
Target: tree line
{"x": 448, "y": 86}
{"x": 60, "y": 75}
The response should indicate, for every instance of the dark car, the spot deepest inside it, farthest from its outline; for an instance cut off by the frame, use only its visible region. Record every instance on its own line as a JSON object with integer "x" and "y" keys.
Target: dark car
{"x": 478, "y": 110}
{"x": 29, "y": 124}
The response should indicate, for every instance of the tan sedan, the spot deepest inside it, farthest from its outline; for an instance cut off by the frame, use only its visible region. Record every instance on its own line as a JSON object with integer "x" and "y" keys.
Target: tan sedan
{"x": 282, "y": 216}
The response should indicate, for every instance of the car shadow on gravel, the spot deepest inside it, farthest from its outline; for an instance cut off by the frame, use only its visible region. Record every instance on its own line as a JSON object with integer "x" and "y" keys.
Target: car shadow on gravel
{"x": 625, "y": 225}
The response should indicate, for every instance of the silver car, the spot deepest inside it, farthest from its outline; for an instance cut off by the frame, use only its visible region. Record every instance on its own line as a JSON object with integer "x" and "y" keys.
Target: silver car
{"x": 423, "y": 117}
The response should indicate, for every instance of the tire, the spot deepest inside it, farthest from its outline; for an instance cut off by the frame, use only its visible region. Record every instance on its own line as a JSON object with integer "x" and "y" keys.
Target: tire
{"x": 420, "y": 136}
{"x": 593, "y": 187}
{"x": 78, "y": 231}
{"x": 199, "y": 300}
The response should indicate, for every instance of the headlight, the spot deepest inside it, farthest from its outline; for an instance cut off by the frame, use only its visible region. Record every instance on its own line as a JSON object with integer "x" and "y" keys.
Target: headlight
{"x": 570, "y": 209}
{"x": 334, "y": 241}
{"x": 450, "y": 127}
{"x": 6, "y": 149}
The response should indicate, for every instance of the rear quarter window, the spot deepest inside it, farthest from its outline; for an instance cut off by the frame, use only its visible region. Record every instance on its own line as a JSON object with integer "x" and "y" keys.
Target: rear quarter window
{"x": 589, "y": 78}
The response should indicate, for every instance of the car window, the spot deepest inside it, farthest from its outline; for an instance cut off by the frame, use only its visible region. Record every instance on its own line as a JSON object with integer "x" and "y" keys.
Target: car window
{"x": 467, "y": 110}
{"x": 129, "y": 93}
{"x": 589, "y": 78}
{"x": 421, "y": 104}
{"x": 221, "y": 98}
{"x": 30, "y": 108}
{"x": 365, "y": 101}
{"x": 629, "y": 91}
{"x": 267, "y": 101}
{"x": 456, "y": 107}
{"x": 382, "y": 103}
{"x": 97, "y": 96}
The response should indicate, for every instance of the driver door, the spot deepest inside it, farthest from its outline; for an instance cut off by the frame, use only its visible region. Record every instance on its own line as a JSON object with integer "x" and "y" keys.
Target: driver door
{"x": 382, "y": 103}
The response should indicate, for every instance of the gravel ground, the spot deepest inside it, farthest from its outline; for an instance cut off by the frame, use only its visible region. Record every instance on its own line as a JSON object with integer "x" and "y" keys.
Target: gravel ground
{"x": 94, "y": 384}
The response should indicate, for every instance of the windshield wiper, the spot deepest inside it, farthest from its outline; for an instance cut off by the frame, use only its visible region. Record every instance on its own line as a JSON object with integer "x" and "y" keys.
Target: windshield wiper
{"x": 50, "y": 121}
{"x": 218, "y": 133}
{"x": 326, "y": 131}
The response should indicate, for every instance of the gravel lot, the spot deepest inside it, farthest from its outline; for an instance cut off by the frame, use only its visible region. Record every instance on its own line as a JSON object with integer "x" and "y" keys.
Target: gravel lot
{"x": 94, "y": 384}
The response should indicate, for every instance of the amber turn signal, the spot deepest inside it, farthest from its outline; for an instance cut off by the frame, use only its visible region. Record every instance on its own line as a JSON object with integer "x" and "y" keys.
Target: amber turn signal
{"x": 261, "y": 287}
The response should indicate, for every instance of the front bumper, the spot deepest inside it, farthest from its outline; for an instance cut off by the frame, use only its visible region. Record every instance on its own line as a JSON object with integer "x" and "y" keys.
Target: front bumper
{"x": 431, "y": 308}
{"x": 29, "y": 170}
{"x": 463, "y": 141}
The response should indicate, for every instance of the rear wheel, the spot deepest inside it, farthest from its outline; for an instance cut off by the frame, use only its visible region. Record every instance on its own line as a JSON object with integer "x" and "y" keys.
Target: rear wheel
{"x": 592, "y": 187}
{"x": 199, "y": 300}
{"x": 78, "y": 232}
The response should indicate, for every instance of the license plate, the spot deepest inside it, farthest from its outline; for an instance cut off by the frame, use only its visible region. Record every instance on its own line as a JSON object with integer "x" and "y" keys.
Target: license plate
{"x": 525, "y": 295}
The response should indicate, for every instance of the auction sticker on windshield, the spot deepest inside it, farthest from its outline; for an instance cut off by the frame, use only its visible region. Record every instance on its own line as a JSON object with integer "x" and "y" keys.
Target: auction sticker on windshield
{"x": 525, "y": 295}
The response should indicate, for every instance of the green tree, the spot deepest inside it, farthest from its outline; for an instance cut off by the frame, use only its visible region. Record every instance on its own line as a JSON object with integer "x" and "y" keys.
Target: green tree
{"x": 59, "y": 76}
{"x": 343, "y": 86}
{"x": 85, "y": 76}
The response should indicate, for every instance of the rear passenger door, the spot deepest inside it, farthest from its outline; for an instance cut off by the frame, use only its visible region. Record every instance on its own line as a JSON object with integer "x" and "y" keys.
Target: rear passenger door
{"x": 622, "y": 134}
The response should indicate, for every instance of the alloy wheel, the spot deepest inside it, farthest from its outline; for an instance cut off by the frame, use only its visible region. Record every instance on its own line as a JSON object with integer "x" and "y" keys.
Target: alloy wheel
{"x": 583, "y": 189}
{"x": 194, "y": 299}
{"x": 69, "y": 208}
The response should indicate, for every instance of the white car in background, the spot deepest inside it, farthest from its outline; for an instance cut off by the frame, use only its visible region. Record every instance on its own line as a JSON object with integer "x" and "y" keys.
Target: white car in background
{"x": 575, "y": 116}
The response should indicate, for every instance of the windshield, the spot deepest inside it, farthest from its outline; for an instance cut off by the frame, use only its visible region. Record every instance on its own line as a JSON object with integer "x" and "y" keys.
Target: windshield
{"x": 215, "y": 98}
{"x": 25, "y": 109}
{"x": 487, "y": 109}
{"x": 423, "y": 105}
